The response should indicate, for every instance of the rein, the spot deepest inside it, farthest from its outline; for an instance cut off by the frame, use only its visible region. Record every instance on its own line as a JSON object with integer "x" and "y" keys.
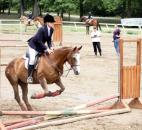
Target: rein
{"x": 58, "y": 69}
{"x": 68, "y": 69}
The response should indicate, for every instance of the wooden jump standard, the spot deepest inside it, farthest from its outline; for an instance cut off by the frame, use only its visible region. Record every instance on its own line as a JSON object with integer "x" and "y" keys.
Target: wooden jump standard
{"x": 130, "y": 76}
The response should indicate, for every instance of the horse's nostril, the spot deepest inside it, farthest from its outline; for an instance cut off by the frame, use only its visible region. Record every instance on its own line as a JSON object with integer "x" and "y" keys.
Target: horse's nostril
{"x": 77, "y": 73}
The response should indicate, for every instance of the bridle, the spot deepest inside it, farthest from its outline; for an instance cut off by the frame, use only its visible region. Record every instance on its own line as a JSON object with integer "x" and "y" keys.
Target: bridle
{"x": 58, "y": 69}
{"x": 71, "y": 67}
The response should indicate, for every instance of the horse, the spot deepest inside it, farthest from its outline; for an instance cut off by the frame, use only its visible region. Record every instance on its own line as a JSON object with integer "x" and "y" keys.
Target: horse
{"x": 38, "y": 21}
{"x": 48, "y": 71}
{"x": 90, "y": 22}
{"x": 26, "y": 22}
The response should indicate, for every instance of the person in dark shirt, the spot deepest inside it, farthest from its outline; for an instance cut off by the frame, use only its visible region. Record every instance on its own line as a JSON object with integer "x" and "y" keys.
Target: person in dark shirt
{"x": 37, "y": 43}
{"x": 116, "y": 36}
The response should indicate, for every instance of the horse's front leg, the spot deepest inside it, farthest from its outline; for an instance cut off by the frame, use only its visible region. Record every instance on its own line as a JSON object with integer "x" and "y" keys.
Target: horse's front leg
{"x": 44, "y": 86}
{"x": 60, "y": 84}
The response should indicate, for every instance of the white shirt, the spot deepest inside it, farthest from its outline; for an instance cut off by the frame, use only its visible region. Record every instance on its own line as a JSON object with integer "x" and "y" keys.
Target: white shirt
{"x": 95, "y": 36}
{"x": 48, "y": 30}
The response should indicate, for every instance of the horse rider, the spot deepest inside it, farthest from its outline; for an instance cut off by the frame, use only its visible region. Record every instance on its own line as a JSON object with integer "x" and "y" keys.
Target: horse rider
{"x": 36, "y": 44}
{"x": 30, "y": 17}
{"x": 89, "y": 17}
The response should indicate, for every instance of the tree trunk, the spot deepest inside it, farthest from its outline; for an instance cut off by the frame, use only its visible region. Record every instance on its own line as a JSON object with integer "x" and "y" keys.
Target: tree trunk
{"x": 81, "y": 7}
{"x": 36, "y": 9}
{"x": 62, "y": 13}
{"x": 3, "y": 7}
{"x": 123, "y": 13}
{"x": 21, "y": 7}
{"x": 0, "y": 9}
{"x": 69, "y": 15}
{"x": 9, "y": 6}
{"x": 128, "y": 6}
{"x": 58, "y": 13}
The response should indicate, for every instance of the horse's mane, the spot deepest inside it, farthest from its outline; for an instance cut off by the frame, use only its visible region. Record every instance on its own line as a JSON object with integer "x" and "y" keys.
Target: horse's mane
{"x": 39, "y": 19}
{"x": 61, "y": 50}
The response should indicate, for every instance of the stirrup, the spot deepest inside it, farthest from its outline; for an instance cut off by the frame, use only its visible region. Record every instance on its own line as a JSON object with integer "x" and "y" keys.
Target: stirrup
{"x": 30, "y": 80}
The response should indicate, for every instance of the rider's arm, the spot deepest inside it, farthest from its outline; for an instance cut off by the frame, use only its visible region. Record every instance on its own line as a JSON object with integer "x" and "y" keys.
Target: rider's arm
{"x": 38, "y": 38}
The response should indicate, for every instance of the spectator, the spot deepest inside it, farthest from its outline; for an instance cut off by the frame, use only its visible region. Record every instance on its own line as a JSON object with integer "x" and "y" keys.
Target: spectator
{"x": 116, "y": 36}
{"x": 95, "y": 36}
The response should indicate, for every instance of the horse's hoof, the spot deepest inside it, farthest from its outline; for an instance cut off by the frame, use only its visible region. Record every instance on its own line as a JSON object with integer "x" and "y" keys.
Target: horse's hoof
{"x": 38, "y": 95}
{"x": 53, "y": 94}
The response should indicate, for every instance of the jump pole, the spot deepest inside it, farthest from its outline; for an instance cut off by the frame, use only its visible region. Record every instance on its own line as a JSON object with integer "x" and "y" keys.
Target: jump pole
{"x": 67, "y": 111}
{"x": 50, "y": 112}
{"x": 2, "y": 127}
{"x": 73, "y": 119}
{"x": 27, "y": 122}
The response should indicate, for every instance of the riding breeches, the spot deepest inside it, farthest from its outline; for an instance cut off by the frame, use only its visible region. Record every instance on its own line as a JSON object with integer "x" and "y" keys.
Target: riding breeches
{"x": 32, "y": 55}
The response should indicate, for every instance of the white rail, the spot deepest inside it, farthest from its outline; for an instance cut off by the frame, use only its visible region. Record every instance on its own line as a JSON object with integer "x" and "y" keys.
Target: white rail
{"x": 76, "y": 25}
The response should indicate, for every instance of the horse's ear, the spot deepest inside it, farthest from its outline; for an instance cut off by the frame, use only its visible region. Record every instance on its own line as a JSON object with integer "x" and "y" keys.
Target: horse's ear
{"x": 74, "y": 48}
{"x": 80, "y": 48}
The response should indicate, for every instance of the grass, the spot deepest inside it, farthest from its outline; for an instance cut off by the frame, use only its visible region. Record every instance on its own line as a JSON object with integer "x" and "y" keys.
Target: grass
{"x": 66, "y": 28}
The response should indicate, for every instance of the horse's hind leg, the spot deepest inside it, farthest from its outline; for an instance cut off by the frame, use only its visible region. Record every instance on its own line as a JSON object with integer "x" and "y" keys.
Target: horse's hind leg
{"x": 24, "y": 87}
{"x": 11, "y": 76}
{"x": 17, "y": 97}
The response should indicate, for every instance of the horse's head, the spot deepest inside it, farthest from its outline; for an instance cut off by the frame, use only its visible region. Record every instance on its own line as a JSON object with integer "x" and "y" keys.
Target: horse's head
{"x": 83, "y": 19}
{"x": 23, "y": 17}
{"x": 38, "y": 21}
{"x": 73, "y": 59}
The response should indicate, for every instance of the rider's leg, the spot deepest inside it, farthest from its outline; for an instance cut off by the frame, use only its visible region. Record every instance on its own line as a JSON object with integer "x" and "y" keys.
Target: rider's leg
{"x": 32, "y": 54}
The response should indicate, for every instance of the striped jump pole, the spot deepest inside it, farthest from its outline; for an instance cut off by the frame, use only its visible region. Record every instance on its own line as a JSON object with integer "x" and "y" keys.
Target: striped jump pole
{"x": 78, "y": 118}
{"x": 2, "y": 127}
{"x": 67, "y": 111}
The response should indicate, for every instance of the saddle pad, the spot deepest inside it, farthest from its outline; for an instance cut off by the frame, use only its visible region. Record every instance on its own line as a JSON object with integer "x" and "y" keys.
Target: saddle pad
{"x": 26, "y": 61}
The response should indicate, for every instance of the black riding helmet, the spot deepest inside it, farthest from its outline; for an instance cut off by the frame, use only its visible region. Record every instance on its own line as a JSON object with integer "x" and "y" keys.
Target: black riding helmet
{"x": 48, "y": 18}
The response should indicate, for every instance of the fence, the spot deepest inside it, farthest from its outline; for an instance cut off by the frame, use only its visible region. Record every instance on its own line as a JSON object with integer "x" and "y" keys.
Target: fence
{"x": 74, "y": 25}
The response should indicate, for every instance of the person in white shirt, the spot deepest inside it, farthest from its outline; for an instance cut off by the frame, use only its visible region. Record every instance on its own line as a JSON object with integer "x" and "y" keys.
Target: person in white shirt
{"x": 95, "y": 37}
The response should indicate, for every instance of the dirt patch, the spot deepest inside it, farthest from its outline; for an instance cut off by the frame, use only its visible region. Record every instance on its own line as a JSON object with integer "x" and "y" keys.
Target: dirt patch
{"x": 98, "y": 78}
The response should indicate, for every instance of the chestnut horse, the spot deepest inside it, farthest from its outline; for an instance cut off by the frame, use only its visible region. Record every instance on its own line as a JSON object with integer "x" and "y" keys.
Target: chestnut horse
{"x": 90, "y": 22}
{"x": 39, "y": 21}
{"x": 24, "y": 20}
{"x": 49, "y": 71}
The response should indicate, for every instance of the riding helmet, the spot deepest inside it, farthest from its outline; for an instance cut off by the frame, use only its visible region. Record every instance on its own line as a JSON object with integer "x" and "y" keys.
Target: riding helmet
{"x": 48, "y": 18}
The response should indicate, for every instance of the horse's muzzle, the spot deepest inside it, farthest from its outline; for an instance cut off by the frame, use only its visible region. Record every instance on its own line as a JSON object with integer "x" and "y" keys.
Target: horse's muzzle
{"x": 76, "y": 72}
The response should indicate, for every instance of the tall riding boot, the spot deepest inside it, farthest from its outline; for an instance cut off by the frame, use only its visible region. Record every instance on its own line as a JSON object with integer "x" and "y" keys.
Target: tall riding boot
{"x": 30, "y": 71}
